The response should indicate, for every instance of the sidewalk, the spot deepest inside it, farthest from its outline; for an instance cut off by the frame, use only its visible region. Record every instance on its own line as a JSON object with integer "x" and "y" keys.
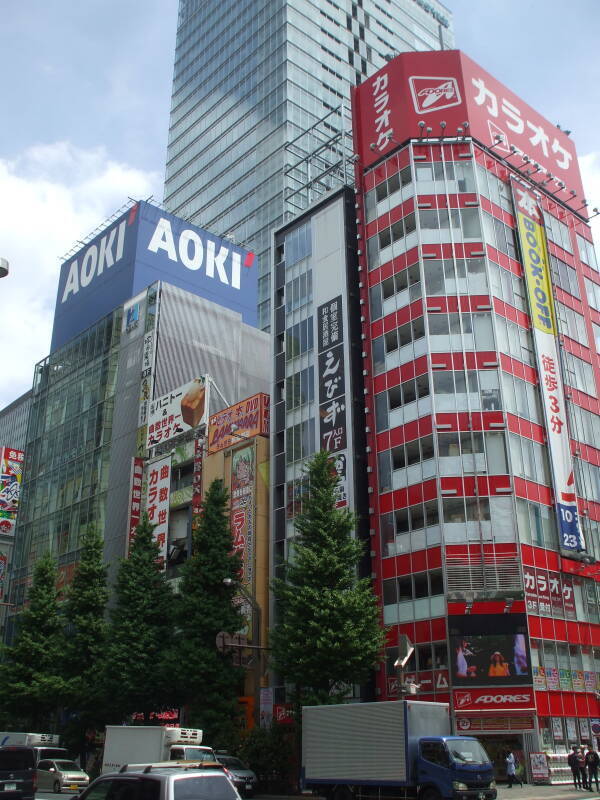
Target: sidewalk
{"x": 527, "y": 792}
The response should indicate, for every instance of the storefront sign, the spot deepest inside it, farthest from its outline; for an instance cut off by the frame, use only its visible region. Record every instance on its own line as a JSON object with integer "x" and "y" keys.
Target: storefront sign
{"x": 521, "y": 698}
{"x": 243, "y": 420}
{"x": 243, "y": 474}
{"x": 536, "y": 267}
{"x": 487, "y": 723}
{"x": 197, "y": 481}
{"x": 531, "y": 598}
{"x": 266, "y": 707}
{"x": 178, "y": 411}
{"x": 11, "y": 473}
{"x": 135, "y": 498}
{"x": 283, "y": 713}
{"x": 157, "y": 504}
{"x": 332, "y": 377}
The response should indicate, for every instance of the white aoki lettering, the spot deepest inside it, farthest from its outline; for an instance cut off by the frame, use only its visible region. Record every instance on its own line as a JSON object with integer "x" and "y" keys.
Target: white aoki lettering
{"x": 193, "y": 261}
{"x": 94, "y": 260}
{"x": 162, "y": 239}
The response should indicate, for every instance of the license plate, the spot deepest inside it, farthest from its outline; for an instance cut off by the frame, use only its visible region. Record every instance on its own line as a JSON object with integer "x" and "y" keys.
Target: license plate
{"x": 481, "y": 795}
{"x": 10, "y": 787}
{"x": 73, "y": 786}
{"x": 248, "y": 786}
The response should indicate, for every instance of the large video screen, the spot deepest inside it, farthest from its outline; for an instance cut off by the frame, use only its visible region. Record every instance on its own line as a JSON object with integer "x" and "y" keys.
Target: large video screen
{"x": 489, "y": 650}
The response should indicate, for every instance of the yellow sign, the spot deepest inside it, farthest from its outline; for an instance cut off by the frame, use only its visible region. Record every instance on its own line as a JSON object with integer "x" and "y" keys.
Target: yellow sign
{"x": 536, "y": 267}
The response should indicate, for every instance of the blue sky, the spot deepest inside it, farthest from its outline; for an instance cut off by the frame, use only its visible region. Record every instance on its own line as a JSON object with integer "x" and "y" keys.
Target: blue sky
{"x": 85, "y": 99}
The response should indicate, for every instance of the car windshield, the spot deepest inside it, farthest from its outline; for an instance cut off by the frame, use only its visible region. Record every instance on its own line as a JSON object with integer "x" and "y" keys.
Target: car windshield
{"x": 209, "y": 787}
{"x": 71, "y": 766}
{"x": 232, "y": 762}
{"x": 468, "y": 752}
{"x": 196, "y": 754}
{"x": 16, "y": 759}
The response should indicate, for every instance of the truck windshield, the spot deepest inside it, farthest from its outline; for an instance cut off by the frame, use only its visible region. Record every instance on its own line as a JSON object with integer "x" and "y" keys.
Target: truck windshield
{"x": 468, "y": 751}
{"x": 196, "y": 754}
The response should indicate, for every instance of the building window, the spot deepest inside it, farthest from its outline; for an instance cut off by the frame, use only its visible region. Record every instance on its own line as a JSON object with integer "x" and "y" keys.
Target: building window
{"x": 395, "y": 292}
{"x": 300, "y": 441}
{"x": 388, "y": 350}
{"x": 450, "y": 277}
{"x": 299, "y": 388}
{"x": 402, "y": 403}
{"x": 299, "y": 339}
{"x": 558, "y": 232}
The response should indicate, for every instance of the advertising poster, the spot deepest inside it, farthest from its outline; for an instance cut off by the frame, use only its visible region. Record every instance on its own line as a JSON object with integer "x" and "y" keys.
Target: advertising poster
{"x": 536, "y": 267}
{"x": 584, "y": 729}
{"x": 341, "y": 490}
{"x": 539, "y": 677}
{"x": 147, "y": 379}
{"x": 552, "y": 679}
{"x": 557, "y": 728}
{"x": 245, "y": 419}
{"x": 197, "y": 480}
{"x": 332, "y": 377}
{"x": 564, "y": 679}
{"x": 589, "y": 679}
{"x": 178, "y": 411}
{"x": 157, "y": 505}
{"x": 490, "y": 651}
{"x": 243, "y": 474}
{"x": 571, "y": 730}
{"x": 577, "y": 680}
{"x": 135, "y": 498}
{"x": 595, "y": 725}
{"x": 3, "y": 568}
{"x": 539, "y": 766}
{"x": 11, "y": 472}
{"x": 531, "y": 598}
{"x": 266, "y": 707}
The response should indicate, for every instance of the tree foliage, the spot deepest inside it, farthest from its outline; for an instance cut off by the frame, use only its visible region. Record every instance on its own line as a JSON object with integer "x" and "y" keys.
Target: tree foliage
{"x": 328, "y": 635}
{"x": 32, "y": 686}
{"x": 206, "y": 608}
{"x": 139, "y": 655}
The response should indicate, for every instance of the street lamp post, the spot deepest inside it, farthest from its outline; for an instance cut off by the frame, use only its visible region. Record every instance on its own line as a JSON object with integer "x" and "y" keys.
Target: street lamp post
{"x": 256, "y": 643}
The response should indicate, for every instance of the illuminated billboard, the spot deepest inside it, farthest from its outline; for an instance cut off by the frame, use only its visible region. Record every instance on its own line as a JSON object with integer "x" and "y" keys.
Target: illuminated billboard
{"x": 432, "y": 94}
{"x": 142, "y": 246}
{"x": 243, "y": 420}
{"x": 11, "y": 471}
{"x": 489, "y": 650}
{"x": 178, "y": 411}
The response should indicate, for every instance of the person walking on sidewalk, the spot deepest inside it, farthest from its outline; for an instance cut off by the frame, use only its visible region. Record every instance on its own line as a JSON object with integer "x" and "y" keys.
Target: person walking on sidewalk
{"x": 511, "y": 769}
{"x": 573, "y": 762}
{"x": 582, "y": 767}
{"x": 592, "y": 759}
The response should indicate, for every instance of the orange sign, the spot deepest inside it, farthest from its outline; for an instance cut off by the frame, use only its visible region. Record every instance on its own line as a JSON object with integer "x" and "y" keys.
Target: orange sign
{"x": 244, "y": 420}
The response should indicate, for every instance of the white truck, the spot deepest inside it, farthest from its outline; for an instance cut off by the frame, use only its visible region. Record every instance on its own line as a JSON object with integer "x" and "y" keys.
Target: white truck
{"x": 144, "y": 744}
{"x": 44, "y": 745}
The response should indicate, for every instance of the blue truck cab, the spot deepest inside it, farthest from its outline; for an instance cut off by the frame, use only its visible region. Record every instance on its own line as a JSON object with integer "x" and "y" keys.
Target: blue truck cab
{"x": 453, "y": 767}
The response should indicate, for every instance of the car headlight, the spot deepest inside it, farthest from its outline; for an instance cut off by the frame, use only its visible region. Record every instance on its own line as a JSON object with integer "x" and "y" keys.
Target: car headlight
{"x": 492, "y": 784}
{"x": 459, "y": 787}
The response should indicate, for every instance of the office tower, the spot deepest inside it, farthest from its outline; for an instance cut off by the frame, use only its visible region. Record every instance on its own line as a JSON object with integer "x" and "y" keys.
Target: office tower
{"x": 481, "y": 291}
{"x": 146, "y": 310}
{"x": 260, "y": 89}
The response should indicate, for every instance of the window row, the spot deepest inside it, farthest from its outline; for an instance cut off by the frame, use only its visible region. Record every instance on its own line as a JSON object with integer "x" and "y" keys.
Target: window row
{"x": 389, "y": 193}
{"x": 584, "y": 425}
{"x": 463, "y": 390}
{"x": 515, "y": 341}
{"x": 562, "y": 656}
{"x": 464, "y": 331}
{"x": 412, "y": 587}
{"x": 579, "y": 374}
{"x": 508, "y": 287}
{"x": 445, "y": 177}
{"x": 298, "y": 244}
{"x": 392, "y": 341}
{"x": 298, "y": 292}
{"x": 432, "y": 655}
{"x": 395, "y": 292}
{"x": 494, "y": 189}
{"x": 593, "y": 293}
{"x": 299, "y": 339}
{"x": 407, "y": 393}
{"x": 587, "y": 479}
{"x": 557, "y": 232}
{"x": 300, "y": 441}
{"x": 564, "y": 276}
{"x": 536, "y": 524}
{"x": 529, "y": 459}
{"x": 299, "y": 388}
{"x": 436, "y": 223}
{"x": 571, "y": 324}
{"x": 455, "y": 276}
{"x": 392, "y": 241}
{"x": 499, "y": 235}
{"x": 522, "y": 398}
{"x": 587, "y": 253}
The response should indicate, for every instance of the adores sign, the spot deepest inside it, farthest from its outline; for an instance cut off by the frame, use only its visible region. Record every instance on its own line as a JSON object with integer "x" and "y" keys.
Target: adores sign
{"x": 484, "y": 699}
{"x": 536, "y": 267}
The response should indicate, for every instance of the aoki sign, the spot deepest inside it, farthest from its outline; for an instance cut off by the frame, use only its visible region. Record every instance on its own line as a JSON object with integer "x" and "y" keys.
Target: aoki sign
{"x": 143, "y": 246}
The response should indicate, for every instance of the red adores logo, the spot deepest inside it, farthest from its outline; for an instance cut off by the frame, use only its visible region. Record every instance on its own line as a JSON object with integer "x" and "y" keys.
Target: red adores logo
{"x": 494, "y": 699}
{"x": 432, "y": 94}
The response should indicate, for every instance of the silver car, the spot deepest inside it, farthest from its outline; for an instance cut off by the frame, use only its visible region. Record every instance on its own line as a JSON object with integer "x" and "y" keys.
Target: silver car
{"x": 59, "y": 774}
{"x": 244, "y": 778}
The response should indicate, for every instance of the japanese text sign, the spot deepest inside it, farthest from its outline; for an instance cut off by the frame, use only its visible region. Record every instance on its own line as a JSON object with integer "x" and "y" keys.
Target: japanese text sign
{"x": 178, "y": 411}
{"x": 332, "y": 376}
{"x": 536, "y": 268}
{"x": 11, "y": 472}
{"x": 135, "y": 497}
{"x": 243, "y": 420}
{"x": 157, "y": 502}
{"x": 243, "y": 471}
{"x": 415, "y": 92}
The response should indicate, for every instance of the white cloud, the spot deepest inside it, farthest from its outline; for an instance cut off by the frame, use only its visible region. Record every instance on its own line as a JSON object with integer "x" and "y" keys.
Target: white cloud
{"x": 50, "y": 196}
{"x": 590, "y": 172}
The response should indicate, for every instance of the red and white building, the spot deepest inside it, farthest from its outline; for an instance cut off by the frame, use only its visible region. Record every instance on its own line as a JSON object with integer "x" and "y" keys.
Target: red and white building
{"x": 480, "y": 297}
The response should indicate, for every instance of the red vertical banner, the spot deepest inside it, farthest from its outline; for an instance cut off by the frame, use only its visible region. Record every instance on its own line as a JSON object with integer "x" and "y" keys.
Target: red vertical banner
{"x": 197, "y": 480}
{"x": 568, "y": 597}
{"x": 543, "y": 592}
{"x": 159, "y": 491}
{"x": 135, "y": 498}
{"x": 555, "y": 587}
{"x": 531, "y": 598}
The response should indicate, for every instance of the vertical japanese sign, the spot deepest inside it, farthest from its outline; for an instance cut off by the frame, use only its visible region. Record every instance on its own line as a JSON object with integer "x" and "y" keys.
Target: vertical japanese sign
{"x": 11, "y": 471}
{"x": 3, "y": 567}
{"x": 243, "y": 473}
{"x": 135, "y": 498}
{"x": 536, "y": 266}
{"x": 159, "y": 490}
{"x": 332, "y": 377}
{"x": 147, "y": 381}
{"x": 197, "y": 480}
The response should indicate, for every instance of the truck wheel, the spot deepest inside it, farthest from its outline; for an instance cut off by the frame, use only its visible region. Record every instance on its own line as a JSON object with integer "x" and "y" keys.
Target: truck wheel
{"x": 57, "y": 787}
{"x": 431, "y": 794}
{"x": 343, "y": 793}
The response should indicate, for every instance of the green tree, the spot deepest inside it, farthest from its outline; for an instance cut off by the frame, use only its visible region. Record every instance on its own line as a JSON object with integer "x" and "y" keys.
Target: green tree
{"x": 32, "y": 687}
{"x": 84, "y": 611}
{"x": 139, "y": 653}
{"x": 328, "y": 635}
{"x": 206, "y": 606}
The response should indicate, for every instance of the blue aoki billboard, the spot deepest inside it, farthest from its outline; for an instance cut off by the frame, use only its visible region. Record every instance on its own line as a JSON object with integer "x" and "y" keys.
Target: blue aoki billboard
{"x": 144, "y": 245}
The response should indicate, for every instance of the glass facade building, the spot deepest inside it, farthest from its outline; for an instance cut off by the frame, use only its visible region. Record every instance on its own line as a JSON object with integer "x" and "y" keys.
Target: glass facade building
{"x": 259, "y": 85}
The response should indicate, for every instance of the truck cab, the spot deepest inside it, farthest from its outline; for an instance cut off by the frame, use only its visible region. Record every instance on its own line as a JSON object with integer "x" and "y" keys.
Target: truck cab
{"x": 454, "y": 767}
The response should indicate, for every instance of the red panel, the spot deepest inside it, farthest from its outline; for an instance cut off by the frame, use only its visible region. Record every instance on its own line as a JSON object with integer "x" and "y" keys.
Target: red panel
{"x": 568, "y": 701}
{"x": 423, "y": 631}
{"x": 542, "y": 702}
{"x": 415, "y": 494}
{"x": 547, "y": 628}
{"x": 438, "y": 629}
{"x": 434, "y": 558}
{"x": 419, "y": 560}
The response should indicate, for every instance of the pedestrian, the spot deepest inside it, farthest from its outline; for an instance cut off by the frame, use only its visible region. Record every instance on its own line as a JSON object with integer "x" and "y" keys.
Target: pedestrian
{"x": 573, "y": 762}
{"x": 592, "y": 759}
{"x": 511, "y": 769}
{"x": 582, "y": 767}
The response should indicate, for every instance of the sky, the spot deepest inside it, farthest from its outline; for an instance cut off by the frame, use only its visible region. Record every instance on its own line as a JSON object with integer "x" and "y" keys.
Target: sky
{"x": 85, "y": 110}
